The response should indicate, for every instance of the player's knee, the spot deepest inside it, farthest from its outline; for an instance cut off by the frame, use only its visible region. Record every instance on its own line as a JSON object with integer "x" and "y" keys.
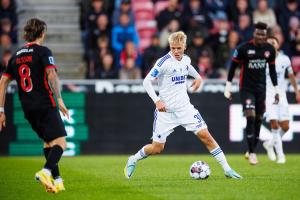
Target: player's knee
{"x": 285, "y": 127}
{"x": 157, "y": 149}
{"x": 274, "y": 124}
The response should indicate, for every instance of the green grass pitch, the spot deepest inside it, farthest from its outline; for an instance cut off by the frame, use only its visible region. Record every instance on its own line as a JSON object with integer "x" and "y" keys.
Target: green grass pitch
{"x": 158, "y": 177}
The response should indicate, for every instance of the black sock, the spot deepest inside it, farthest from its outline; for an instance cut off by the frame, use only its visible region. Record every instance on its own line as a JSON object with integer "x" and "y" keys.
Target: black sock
{"x": 250, "y": 134}
{"x": 55, "y": 170}
{"x": 54, "y": 156}
{"x": 258, "y": 122}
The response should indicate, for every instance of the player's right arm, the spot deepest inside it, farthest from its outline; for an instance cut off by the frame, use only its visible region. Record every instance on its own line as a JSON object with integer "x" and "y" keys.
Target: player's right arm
{"x": 236, "y": 60}
{"x": 4, "y": 81}
{"x": 52, "y": 77}
{"x": 293, "y": 80}
{"x": 55, "y": 87}
{"x": 154, "y": 74}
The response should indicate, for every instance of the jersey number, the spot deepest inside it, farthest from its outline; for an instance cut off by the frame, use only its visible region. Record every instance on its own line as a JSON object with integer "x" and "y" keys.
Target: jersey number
{"x": 26, "y": 82}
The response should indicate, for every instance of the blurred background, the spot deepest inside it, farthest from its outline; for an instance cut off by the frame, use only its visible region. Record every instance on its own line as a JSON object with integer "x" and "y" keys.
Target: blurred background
{"x": 103, "y": 49}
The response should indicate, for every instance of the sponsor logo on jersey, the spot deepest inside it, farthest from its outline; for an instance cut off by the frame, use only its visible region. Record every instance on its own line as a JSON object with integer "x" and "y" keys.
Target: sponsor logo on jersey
{"x": 155, "y": 73}
{"x": 24, "y": 51}
{"x": 179, "y": 79}
{"x": 251, "y": 51}
{"x": 267, "y": 54}
{"x": 51, "y": 60}
{"x": 257, "y": 64}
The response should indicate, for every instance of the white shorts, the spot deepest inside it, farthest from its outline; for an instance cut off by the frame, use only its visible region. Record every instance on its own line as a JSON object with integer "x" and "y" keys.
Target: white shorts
{"x": 165, "y": 122}
{"x": 278, "y": 111}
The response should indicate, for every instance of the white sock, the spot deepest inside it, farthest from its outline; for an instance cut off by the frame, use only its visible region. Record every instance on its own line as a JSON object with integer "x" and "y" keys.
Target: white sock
{"x": 58, "y": 180}
{"x": 140, "y": 155}
{"x": 275, "y": 133}
{"x": 278, "y": 143}
{"x": 220, "y": 157}
{"x": 47, "y": 171}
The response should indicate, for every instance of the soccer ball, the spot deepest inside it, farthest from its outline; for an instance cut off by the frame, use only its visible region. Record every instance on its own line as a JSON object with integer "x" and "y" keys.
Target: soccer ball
{"x": 199, "y": 170}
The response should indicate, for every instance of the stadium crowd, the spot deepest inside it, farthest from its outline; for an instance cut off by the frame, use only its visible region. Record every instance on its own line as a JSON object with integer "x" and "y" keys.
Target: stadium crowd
{"x": 123, "y": 38}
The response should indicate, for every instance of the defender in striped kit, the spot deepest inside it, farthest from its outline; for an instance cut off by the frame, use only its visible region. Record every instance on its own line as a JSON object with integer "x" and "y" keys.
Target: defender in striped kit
{"x": 173, "y": 107}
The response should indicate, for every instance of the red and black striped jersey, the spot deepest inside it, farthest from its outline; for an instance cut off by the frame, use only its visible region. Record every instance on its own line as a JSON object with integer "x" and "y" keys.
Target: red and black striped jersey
{"x": 28, "y": 67}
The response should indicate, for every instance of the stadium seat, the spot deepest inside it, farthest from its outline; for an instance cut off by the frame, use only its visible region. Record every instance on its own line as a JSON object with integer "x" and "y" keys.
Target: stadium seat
{"x": 160, "y": 6}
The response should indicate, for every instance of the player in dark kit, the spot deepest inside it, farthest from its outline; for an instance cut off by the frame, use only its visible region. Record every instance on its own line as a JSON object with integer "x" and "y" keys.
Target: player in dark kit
{"x": 33, "y": 68}
{"x": 253, "y": 58}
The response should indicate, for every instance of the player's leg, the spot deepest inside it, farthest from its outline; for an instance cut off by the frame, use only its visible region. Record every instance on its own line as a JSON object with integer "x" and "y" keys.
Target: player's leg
{"x": 284, "y": 127}
{"x": 162, "y": 127}
{"x": 216, "y": 152}
{"x": 57, "y": 146}
{"x": 57, "y": 180}
{"x": 248, "y": 101}
{"x": 260, "y": 108}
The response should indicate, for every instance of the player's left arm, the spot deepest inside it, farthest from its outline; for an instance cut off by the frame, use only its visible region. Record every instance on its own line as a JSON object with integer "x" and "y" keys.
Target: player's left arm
{"x": 294, "y": 83}
{"x": 273, "y": 74}
{"x": 55, "y": 87}
{"x": 197, "y": 82}
{"x": 5, "y": 80}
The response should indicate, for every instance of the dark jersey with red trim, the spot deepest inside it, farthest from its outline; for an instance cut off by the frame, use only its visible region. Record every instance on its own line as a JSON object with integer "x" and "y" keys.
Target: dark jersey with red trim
{"x": 28, "y": 67}
{"x": 253, "y": 62}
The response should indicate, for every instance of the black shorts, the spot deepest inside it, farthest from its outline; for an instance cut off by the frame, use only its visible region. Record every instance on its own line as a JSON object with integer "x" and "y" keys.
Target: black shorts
{"x": 253, "y": 100}
{"x": 47, "y": 123}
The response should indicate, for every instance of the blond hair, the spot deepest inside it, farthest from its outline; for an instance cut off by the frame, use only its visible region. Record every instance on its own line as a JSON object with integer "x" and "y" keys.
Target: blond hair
{"x": 177, "y": 38}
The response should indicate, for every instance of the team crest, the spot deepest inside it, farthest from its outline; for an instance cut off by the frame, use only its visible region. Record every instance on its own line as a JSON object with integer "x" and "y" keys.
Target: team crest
{"x": 267, "y": 54}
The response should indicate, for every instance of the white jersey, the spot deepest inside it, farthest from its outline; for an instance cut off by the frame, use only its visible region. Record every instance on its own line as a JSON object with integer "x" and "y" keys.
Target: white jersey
{"x": 282, "y": 64}
{"x": 171, "y": 75}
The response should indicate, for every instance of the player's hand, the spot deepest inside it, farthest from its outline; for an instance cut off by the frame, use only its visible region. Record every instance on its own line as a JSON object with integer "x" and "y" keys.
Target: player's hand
{"x": 63, "y": 108}
{"x": 161, "y": 107}
{"x": 276, "y": 99}
{"x": 227, "y": 91}
{"x": 2, "y": 120}
{"x": 196, "y": 84}
{"x": 298, "y": 96}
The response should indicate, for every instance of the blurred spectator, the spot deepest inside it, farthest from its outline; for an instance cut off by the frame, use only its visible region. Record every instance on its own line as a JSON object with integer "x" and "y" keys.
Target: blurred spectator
{"x": 151, "y": 54}
{"x": 264, "y": 14}
{"x": 102, "y": 28}
{"x": 240, "y": 7}
{"x": 123, "y": 32}
{"x": 172, "y": 27}
{"x": 215, "y": 6}
{"x": 7, "y": 54}
{"x": 286, "y": 11}
{"x": 130, "y": 51}
{"x": 204, "y": 65}
{"x": 294, "y": 29}
{"x": 8, "y": 10}
{"x": 171, "y": 12}
{"x": 296, "y": 58}
{"x": 233, "y": 40}
{"x": 125, "y": 7}
{"x": 196, "y": 17}
{"x": 96, "y": 56}
{"x": 96, "y": 10}
{"x": 197, "y": 47}
{"x": 219, "y": 42}
{"x": 6, "y": 27}
{"x": 6, "y": 44}
{"x": 129, "y": 71}
{"x": 244, "y": 28}
{"x": 107, "y": 70}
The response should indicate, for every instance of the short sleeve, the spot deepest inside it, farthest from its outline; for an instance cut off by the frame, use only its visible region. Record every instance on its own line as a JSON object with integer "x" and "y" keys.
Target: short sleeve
{"x": 288, "y": 66}
{"x": 8, "y": 72}
{"x": 158, "y": 68}
{"x": 47, "y": 58}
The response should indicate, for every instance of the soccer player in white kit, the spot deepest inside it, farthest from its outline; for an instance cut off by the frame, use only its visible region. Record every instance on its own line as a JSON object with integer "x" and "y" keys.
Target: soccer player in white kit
{"x": 173, "y": 107}
{"x": 278, "y": 114}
